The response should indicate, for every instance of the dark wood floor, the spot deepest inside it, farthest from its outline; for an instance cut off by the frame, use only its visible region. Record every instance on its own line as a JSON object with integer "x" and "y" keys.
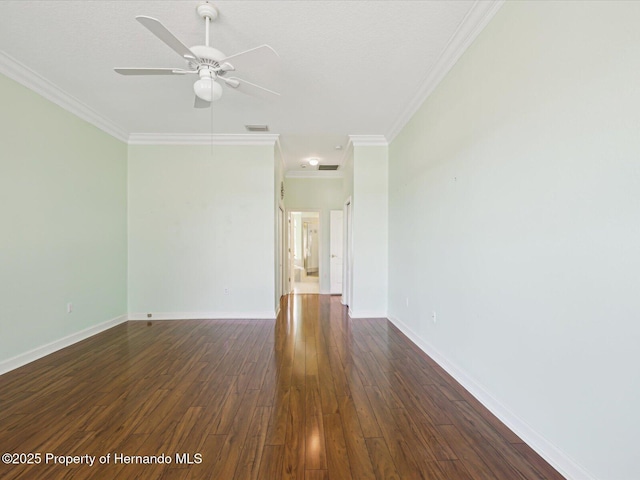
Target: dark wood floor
{"x": 312, "y": 395}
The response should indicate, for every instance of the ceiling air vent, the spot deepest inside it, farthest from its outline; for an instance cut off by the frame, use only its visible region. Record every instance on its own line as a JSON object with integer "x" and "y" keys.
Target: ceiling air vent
{"x": 257, "y": 128}
{"x": 328, "y": 167}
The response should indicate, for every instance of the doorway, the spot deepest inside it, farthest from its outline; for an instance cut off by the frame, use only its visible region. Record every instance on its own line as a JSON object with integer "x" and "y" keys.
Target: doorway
{"x": 304, "y": 252}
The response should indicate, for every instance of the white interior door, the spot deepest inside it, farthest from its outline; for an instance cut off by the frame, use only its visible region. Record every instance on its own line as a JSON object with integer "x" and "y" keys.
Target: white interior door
{"x": 336, "y": 223}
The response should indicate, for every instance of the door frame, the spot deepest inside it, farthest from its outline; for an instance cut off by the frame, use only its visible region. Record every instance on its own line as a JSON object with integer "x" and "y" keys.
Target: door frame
{"x": 281, "y": 284}
{"x": 338, "y": 214}
{"x": 289, "y": 255}
{"x": 347, "y": 253}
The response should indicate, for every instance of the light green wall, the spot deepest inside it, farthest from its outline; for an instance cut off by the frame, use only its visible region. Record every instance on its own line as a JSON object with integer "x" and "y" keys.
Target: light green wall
{"x": 515, "y": 215}
{"x": 323, "y": 195}
{"x": 370, "y": 231}
{"x": 201, "y": 219}
{"x": 63, "y": 208}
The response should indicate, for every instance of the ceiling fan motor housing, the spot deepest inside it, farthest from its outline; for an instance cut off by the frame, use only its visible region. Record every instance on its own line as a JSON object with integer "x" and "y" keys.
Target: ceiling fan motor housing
{"x": 210, "y": 58}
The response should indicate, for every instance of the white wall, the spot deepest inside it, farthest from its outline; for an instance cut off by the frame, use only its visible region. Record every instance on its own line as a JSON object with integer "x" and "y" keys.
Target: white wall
{"x": 201, "y": 219}
{"x": 515, "y": 215}
{"x": 63, "y": 208}
{"x": 323, "y": 195}
{"x": 370, "y": 231}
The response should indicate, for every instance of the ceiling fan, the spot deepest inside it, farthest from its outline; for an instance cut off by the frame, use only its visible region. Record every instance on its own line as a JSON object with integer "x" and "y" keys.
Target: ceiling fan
{"x": 210, "y": 64}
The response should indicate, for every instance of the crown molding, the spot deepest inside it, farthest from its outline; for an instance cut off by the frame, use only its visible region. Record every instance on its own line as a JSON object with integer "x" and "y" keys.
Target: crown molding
{"x": 278, "y": 147}
{"x": 283, "y": 165}
{"x": 347, "y": 155}
{"x": 202, "y": 139}
{"x": 22, "y": 74}
{"x": 314, "y": 174}
{"x": 368, "y": 140}
{"x": 474, "y": 22}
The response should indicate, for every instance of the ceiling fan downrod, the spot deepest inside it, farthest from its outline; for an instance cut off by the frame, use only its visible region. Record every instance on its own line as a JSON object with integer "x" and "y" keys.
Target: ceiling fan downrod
{"x": 209, "y": 13}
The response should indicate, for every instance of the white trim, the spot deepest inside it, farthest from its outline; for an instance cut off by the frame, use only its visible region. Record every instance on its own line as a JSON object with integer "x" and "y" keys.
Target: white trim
{"x": 552, "y": 454}
{"x": 314, "y": 174}
{"x": 347, "y": 253}
{"x": 203, "y": 139}
{"x": 43, "y": 87}
{"x": 49, "y": 348}
{"x": 204, "y": 316}
{"x": 348, "y": 152}
{"x": 474, "y": 22}
{"x": 367, "y": 314}
{"x": 278, "y": 147}
{"x": 368, "y": 140}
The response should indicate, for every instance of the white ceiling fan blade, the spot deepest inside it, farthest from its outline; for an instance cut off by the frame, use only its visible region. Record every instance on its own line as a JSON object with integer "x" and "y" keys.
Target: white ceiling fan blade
{"x": 160, "y": 31}
{"x": 258, "y": 63}
{"x": 248, "y": 87}
{"x": 200, "y": 103}
{"x": 152, "y": 71}
{"x": 256, "y": 56}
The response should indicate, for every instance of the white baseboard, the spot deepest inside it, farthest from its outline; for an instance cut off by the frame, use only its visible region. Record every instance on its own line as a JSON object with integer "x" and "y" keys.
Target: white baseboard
{"x": 552, "y": 454}
{"x": 44, "y": 350}
{"x": 367, "y": 314}
{"x": 205, "y": 315}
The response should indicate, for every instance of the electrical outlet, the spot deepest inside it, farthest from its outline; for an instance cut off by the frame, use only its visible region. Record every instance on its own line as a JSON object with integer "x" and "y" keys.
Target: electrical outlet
{"x": 226, "y": 291}
{"x": 69, "y": 307}
{"x": 433, "y": 316}
{"x": 149, "y": 315}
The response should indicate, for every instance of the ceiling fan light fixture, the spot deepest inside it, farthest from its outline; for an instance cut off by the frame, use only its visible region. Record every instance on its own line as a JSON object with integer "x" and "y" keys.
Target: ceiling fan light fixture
{"x": 207, "y": 89}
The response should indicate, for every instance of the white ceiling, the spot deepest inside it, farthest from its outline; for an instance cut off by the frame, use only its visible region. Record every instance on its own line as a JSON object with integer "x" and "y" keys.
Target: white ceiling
{"x": 349, "y": 67}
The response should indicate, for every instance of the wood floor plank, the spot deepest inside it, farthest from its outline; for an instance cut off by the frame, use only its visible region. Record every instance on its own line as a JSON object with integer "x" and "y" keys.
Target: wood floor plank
{"x": 338, "y": 465}
{"x": 251, "y": 454}
{"x": 361, "y": 467}
{"x": 311, "y": 395}
{"x": 366, "y": 415}
{"x": 466, "y": 453}
{"x": 455, "y": 470}
{"x": 315, "y": 443}
{"x": 476, "y": 424}
{"x": 327, "y": 388}
{"x": 278, "y": 421}
{"x": 546, "y": 470}
{"x": 316, "y": 475}
{"x": 340, "y": 380}
{"x": 400, "y": 451}
{"x": 230, "y": 454}
{"x": 293, "y": 463}
{"x": 271, "y": 462}
{"x": 415, "y": 402}
{"x": 383, "y": 465}
{"x": 210, "y": 448}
